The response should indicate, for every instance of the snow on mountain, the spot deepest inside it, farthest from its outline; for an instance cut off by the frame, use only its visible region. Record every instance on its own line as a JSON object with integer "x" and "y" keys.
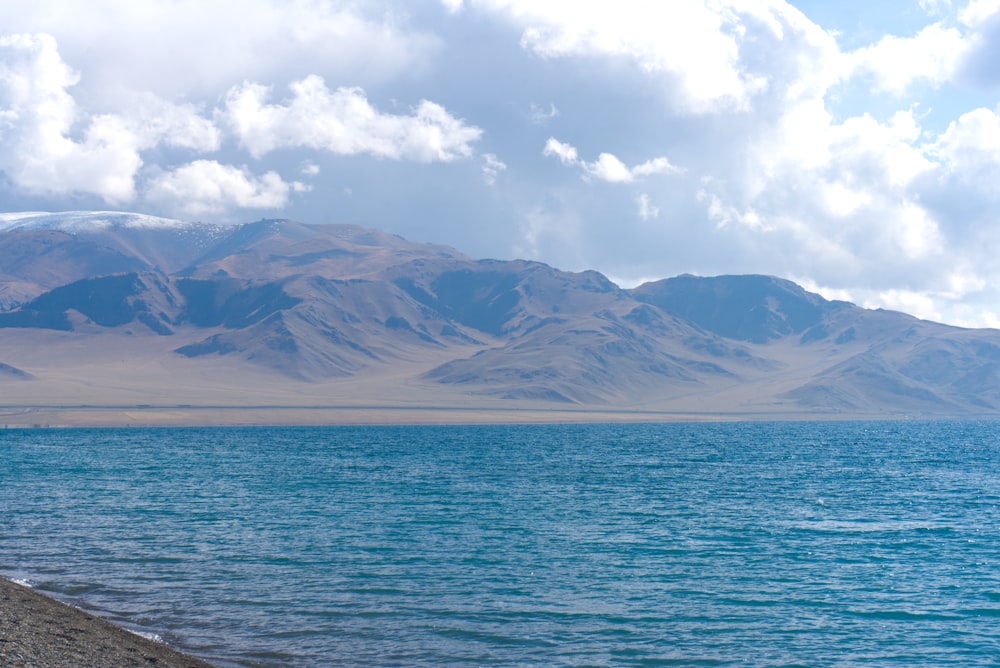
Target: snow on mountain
{"x": 86, "y": 221}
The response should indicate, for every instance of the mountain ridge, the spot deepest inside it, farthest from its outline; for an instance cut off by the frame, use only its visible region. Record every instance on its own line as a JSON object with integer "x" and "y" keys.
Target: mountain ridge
{"x": 320, "y": 313}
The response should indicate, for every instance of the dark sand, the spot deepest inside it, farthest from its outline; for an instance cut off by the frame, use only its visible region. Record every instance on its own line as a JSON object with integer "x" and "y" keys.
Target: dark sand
{"x": 40, "y": 632}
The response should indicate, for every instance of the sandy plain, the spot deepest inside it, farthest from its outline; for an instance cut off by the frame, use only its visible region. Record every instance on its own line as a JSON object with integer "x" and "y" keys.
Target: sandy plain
{"x": 118, "y": 380}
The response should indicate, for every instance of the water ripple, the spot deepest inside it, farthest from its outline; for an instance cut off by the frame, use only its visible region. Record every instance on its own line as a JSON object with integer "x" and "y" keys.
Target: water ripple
{"x": 717, "y": 544}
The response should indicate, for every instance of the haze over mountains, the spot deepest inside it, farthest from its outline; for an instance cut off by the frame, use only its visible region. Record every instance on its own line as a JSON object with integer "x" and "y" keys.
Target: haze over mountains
{"x": 126, "y": 310}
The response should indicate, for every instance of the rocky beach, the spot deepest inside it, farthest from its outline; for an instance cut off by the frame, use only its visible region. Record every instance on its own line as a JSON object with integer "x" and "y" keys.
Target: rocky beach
{"x": 39, "y": 632}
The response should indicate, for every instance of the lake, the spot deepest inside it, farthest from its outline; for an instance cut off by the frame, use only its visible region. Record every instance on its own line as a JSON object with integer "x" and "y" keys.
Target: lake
{"x": 760, "y": 544}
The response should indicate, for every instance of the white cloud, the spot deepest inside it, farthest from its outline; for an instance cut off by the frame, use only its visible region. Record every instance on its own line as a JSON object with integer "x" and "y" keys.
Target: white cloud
{"x": 932, "y": 55}
{"x": 713, "y": 57}
{"x": 884, "y": 211}
{"x": 962, "y": 190}
{"x": 696, "y": 43}
{"x": 971, "y": 143}
{"x": 344, "y": 122}
{"x": 935, "y": 7}
{"x": 540, "y": 115}
{"x": 646, "y": 209}
{"x": 725, "y": 215}
{"x": 982, "y": 21}
{"x": 50, "y": 147}
{"x": 944, "y": 304}
{"x": 842, "y": 200}
{"x": 194, "y": 49}
{"x": 35, "y": 79}
{"x": 492, "y": 166}
{"x": 815, "y": 159}
{"x": 206, "y": 187}
{"x": 607, "y": 167}
{"x": 655, "y": 166}
{"x": 978, "y": 11}
{"x": 544, "y": 227}
{"x": 154, "y": 120}
{"x": 919, "y": 304}
{"x": 833, "y": 200}
{"x": 566, "y": 153}
{"x": 917, "y": 233}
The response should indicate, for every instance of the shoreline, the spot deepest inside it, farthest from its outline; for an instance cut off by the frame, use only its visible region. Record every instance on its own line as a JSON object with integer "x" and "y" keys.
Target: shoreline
{"x": 21, "y": 417}
{"x": 37, "y": 631}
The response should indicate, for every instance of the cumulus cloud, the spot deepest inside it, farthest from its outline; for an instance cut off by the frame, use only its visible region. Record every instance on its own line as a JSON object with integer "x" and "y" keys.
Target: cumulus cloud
{"x": 970, "y": 144}
{"x": 36, "y": 116}
{"x": 344, "y": 122}
{"x": 206, "y": 187}
{"x": 838, "y": 192}
{"x": 982, "y": 20}
{"x": 961, "y": 191}
{"x": 654, "y": 166}
{"x": 713, "y": 57}
{"x": 693, "y": 42}
{"x": 887, "y": 210}
{"x": 797, "y": 175}
{"x": 979, "y": 11}
{"x": 191, "y": 48}
{"x": 607, "y": 167}
{"x": 932, "y": 55}
{"x": 51, "y": 147}
{"x": 153, "y": 120}
{"x": 566, "y": 153}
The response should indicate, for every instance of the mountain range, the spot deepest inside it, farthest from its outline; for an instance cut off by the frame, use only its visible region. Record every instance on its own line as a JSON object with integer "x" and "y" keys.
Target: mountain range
{"x": 129, "y": 318}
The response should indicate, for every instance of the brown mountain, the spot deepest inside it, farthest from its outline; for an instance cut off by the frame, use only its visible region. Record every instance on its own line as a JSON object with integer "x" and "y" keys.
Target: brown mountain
{"x": 100, "y": 310}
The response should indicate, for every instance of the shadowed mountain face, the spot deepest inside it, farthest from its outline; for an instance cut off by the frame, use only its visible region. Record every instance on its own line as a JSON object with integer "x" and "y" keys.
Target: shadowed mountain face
{"x": 745, "y": 308}
{"x": 107, "y": 301}
{"x": 315, "y": 305}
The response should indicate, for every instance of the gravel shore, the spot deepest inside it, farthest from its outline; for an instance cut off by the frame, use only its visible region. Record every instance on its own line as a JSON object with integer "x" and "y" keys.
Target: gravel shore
{"x": 40, "y": 632}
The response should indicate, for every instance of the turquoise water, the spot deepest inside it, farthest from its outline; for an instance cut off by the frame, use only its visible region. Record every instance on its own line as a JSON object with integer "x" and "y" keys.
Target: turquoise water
{"x": 638, "y": 545}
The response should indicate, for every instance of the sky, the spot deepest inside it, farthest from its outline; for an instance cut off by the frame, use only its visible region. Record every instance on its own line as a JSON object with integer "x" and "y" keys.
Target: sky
{"x": 852, "y": 146}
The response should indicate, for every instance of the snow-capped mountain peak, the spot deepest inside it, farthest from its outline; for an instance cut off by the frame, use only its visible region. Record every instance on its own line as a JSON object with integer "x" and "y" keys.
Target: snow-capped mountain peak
{"x": 86, "y": 221}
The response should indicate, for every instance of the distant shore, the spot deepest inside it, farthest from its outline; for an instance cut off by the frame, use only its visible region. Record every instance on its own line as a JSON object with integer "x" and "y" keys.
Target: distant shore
{"x": 39, "y": 632}
{"x": 207, "y": 416}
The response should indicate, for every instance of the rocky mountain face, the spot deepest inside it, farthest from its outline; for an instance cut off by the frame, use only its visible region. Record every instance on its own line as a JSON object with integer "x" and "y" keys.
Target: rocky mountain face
{"x": 314, "y": 306}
